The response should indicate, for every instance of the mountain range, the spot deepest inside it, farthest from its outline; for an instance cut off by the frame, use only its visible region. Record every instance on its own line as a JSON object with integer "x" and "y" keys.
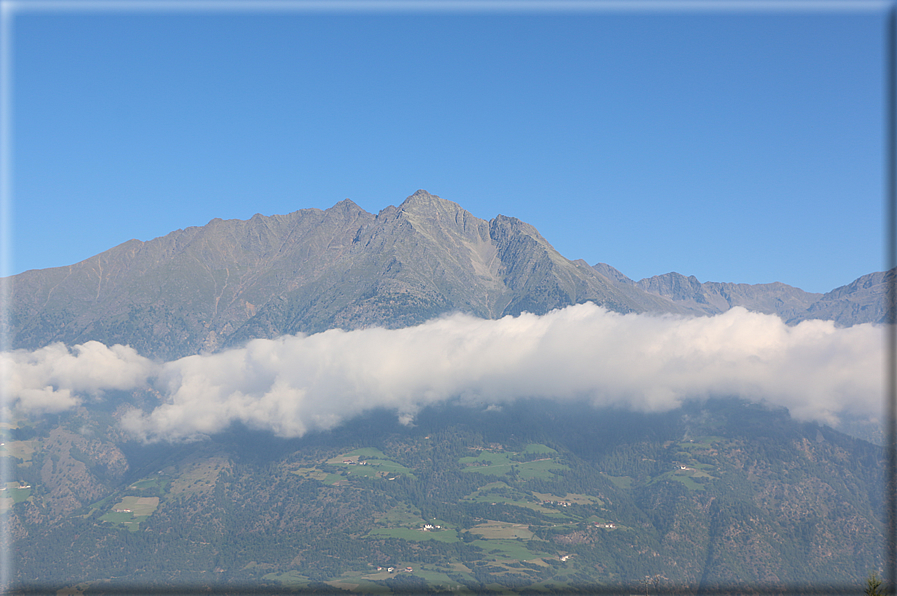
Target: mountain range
{"x": 531, "y": 495}
{"x": 206, "y": 288}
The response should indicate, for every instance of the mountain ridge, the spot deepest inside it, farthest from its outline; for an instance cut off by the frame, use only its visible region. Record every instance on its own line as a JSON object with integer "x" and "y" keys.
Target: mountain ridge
{"x": 861, "y": 301}
{"x": 205, "y": 288}
{"x": 517, "y": 496}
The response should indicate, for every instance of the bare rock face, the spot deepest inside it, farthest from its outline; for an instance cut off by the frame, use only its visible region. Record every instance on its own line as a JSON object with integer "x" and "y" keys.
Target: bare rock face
{"x": 207, "y": 288}
{"x": 862, "y": 301}
{"x": 715, "y": 297}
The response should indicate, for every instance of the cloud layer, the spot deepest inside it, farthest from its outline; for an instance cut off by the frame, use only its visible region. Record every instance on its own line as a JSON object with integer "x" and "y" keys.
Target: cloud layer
{"x": 54, "y": 378}
{"x": 295, "y": 384}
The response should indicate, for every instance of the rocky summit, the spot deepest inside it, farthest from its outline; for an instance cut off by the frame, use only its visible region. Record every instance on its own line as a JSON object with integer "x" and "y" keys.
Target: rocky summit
{"x": 205, "y": 288}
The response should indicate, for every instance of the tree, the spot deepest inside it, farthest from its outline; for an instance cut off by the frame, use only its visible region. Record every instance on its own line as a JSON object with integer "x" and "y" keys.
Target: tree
{"x": 873, "y": 586}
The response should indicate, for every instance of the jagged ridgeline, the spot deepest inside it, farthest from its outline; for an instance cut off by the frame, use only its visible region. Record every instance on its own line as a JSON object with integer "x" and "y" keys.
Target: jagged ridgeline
{"x": 518, "y": 496}
{"x": 312, "y": 270}
{"x": 205, "y": 288}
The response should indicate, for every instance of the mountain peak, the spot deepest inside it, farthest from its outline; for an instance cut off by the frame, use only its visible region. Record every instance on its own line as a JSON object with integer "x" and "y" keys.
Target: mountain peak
{"x": 312, "y": 270}
{"x": 421, "y": 198}
{"x": 347, "y": 206}
{"x": 425, "y": 205}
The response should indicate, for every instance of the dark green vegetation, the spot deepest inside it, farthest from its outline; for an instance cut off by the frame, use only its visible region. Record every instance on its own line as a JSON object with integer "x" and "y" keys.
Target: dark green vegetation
{"x": 535, "y": 497}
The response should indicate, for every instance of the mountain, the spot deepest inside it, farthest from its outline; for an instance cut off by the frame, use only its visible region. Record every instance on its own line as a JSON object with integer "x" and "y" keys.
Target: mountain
{"x": 714, "y": 495}
{"x": 719, "y": 495}
{"x": 205, "y": 288}
{"x": 201, "y": 289}
{"x": 861, "y": 301}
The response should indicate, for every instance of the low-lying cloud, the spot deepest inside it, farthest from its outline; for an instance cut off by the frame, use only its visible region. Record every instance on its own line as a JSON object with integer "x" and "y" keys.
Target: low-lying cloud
{"x": 54, "y": 378}
{"x": 295, "y": 384}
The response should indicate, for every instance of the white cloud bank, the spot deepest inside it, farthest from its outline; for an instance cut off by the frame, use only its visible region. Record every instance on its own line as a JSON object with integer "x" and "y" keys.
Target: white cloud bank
{"x": 295, "y": 384}
{"x": 54, "y": 378}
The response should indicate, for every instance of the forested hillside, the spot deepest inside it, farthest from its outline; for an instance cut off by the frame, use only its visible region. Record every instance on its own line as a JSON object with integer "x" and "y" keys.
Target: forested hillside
{"x": 535, "y": 496}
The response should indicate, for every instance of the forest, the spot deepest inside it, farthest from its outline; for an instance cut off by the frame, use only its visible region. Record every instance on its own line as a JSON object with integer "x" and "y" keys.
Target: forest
{"x": 537, "y": 497}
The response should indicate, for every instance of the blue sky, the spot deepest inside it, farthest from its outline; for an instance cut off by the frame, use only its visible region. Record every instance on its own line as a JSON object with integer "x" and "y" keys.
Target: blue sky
{"x": 733, "y": 145}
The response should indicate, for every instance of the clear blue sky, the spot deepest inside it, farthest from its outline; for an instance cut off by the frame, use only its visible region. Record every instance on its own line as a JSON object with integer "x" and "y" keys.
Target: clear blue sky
{"x": 739, "y": 146}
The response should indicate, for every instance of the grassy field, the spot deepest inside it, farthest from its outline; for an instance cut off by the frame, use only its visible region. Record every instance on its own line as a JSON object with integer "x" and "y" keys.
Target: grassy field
{"x": 365, "y": 582}
{"x": 12, "y": 495}
{"x": 501, "y": 493}
{"x": 504, "y": 500}
{"x": 498, "y": 491}
{"x": 372, "y": 452}
{"x": 496, "y": 530}
{"x": 358, "y": 455}
{"x": 14, "y": 491}
{"x": 576, "y": 498}
{"x": 500, "y": 463}
{"x": 20, "y": 449}
{"x": 439, "y": 577}
{"x": 369, "y": 462}
{"x": 697, "y": 471}
{"x": 102, "y": 503}
{"x": 19, "y": 495}
{"x": 435, "y": 577}
{"x": 488, "y": 462}
{"x": 542, "y": 470}
{"x": 156, "y": 482}
{"x": 415, "y": 535}
{"x": 130, "y": 511}
{"x": 686, "y": 480}
{"x": 290, "y": 578}
{"x": 507, "y": 549}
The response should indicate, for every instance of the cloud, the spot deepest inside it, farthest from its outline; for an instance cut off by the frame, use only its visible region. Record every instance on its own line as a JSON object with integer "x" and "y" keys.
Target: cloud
{"x": 54, "y": 378}
{"x": 295, "y": 384}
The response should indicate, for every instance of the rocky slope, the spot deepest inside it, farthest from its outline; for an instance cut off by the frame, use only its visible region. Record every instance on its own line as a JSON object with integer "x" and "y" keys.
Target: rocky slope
{"x": 203, "y": 288}
{"x": 861, "y": 301}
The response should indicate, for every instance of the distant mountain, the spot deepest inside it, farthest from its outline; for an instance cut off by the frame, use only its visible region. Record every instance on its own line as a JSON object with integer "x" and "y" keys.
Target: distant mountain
{"x": 206, "y": 287}
{"x": 861, "y": 301}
